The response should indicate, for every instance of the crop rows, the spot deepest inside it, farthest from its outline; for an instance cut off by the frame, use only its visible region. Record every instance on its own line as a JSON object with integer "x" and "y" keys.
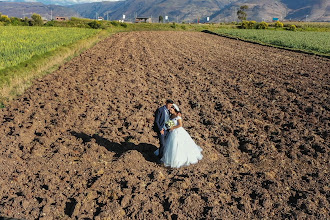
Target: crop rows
{"x": 19, "y": 43}
{"x": 317, "y": 42}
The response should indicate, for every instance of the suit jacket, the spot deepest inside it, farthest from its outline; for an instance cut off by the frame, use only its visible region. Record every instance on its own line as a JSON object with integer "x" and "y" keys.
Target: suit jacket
{"x": 159, "y": 119}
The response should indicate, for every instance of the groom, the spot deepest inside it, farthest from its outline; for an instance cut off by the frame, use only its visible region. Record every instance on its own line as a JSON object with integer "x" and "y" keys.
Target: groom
{"x": 162, "y": 115}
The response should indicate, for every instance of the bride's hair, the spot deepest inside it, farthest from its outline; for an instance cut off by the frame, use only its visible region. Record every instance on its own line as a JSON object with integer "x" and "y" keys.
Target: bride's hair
{"x": 177, "y": 111}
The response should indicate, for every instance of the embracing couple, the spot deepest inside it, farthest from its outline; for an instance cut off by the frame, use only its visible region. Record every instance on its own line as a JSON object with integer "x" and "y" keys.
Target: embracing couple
{"x": 177, "y": 148}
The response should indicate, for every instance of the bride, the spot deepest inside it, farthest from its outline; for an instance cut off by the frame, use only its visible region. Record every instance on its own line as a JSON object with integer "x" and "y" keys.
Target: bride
{"x": 180, "y": 149}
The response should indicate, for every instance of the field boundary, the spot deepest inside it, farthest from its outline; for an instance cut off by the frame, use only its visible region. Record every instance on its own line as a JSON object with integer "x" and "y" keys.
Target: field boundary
{"x": 266, "y": 44}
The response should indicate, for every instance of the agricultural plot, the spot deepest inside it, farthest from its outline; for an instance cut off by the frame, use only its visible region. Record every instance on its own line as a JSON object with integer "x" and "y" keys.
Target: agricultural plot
{"x": 79, "y": 143}
{"x": 310, "y": 41}
{"x": 19, "y": 43}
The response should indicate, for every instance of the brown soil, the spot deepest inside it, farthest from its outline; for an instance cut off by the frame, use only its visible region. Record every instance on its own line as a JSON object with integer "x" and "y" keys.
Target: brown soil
{"x": 79, "y": 143}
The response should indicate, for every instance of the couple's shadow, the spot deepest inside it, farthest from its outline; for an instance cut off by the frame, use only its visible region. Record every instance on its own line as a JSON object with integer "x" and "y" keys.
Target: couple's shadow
{"x": 147, "y": 150}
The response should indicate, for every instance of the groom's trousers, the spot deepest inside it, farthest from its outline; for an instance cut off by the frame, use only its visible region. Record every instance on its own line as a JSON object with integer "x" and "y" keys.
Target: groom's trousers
{"x": 162, "y": 138}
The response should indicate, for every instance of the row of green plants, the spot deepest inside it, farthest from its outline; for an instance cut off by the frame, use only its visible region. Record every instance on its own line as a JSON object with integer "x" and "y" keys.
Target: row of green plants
{"x": 28, "y": 53}
{"x": 308, "y": 41}
{"x": 20, "y": 43}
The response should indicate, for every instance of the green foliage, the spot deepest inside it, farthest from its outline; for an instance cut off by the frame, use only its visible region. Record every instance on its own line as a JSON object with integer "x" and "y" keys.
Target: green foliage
{"x": 15, "y": 21}
{"x": 5, "y": 19}
{"x": 50, "y": 23}
{"x": 248, "y": 24}
{"x": 21, "y": 43}
{"x": 278, "y": 24}
{"x": 123, "y": 25}
{"x": 292, "y": 27}
{"x": 316, "y": 42}
{"x": 95, "y": 24}
{"x": 262, "y": 25}
{"x": 25, "y": 21}
{"x": 2, "y": 105}
{"x": 160, "y": 19}
{"x": 36, "y": 20}
{"x": 241, "y": 14}
{"x": 173, "y": 25}
{"x": 115, "y": 23}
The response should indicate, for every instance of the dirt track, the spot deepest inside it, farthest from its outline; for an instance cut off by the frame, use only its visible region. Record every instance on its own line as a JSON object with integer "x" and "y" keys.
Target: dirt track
{"x": 79, "y": 143}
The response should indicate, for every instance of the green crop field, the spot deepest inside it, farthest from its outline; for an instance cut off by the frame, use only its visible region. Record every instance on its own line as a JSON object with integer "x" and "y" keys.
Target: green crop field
{"x": 21, "y": 43}
{"x": 310, "y": 41}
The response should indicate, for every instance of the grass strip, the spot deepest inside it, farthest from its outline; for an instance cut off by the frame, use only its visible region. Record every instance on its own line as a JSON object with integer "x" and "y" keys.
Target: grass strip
{"x": 296, "y": 45}
{"x": 16, "y": 79}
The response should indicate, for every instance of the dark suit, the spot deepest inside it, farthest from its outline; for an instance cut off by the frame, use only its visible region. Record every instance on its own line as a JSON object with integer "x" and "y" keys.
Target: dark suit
{"x": 159, "y": 124}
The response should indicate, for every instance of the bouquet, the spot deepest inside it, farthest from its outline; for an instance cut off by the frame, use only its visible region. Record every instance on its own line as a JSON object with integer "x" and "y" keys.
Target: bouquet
{"x": 169, "y": 124}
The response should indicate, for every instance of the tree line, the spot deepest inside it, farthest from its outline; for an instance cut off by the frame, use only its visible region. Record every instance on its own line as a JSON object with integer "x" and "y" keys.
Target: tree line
{"x": 35, "y": 20}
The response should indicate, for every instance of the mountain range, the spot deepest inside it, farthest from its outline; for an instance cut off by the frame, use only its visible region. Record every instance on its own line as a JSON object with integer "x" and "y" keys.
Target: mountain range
{"x": 175, "y": 10}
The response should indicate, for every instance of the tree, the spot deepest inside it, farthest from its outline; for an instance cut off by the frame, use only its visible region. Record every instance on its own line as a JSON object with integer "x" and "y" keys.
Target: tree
{"x": 36, "y": 20}
{"x": 161, "y": 19}
{"x": 241, "y": 14}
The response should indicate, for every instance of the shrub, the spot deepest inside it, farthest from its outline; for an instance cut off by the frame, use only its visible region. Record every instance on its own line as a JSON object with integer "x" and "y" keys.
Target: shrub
{"x": 5, "y": 19}
{"x": 262, "y": 25}
{"x": 292, "y": 27}
{"x": 115, "y": 23}
{"x": 244, "y": 25}
{"x": 123, "y": 25}
{"x": 173, "y": 25}
{"x": 248, "y": 24}
{"x": 278, "y": 24}
{"x": 50, "y": 23}
{"x": 95, "y": 24}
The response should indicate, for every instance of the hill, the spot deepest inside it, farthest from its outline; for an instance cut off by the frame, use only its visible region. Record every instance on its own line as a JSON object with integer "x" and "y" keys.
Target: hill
{"x": 180, "y": 11}
{"x": 217, "y": 10}
{"x": 26, "y": 9}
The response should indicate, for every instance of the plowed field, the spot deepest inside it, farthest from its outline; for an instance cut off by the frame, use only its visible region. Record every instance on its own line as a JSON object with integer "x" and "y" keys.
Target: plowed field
{"x": 79, "y": 143}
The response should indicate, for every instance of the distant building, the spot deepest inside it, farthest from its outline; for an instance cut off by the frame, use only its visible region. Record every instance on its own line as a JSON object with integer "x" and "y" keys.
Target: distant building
{"x": 275, "y": 19}
{"x": 100, "y": 18}
{"x": 142, "y": 20}
{"x": 61, "y": 18}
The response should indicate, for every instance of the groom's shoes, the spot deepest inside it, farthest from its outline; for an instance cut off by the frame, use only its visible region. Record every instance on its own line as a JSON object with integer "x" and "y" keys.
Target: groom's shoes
{"x": 158, "y": 160}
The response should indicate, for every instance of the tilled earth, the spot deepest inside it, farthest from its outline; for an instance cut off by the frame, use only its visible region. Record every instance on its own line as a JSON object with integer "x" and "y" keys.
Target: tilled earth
{"x": 79, "y": 143}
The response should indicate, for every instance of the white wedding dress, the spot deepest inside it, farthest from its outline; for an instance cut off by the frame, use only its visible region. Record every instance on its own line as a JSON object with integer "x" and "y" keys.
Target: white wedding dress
{"x": 180, "y": 149}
